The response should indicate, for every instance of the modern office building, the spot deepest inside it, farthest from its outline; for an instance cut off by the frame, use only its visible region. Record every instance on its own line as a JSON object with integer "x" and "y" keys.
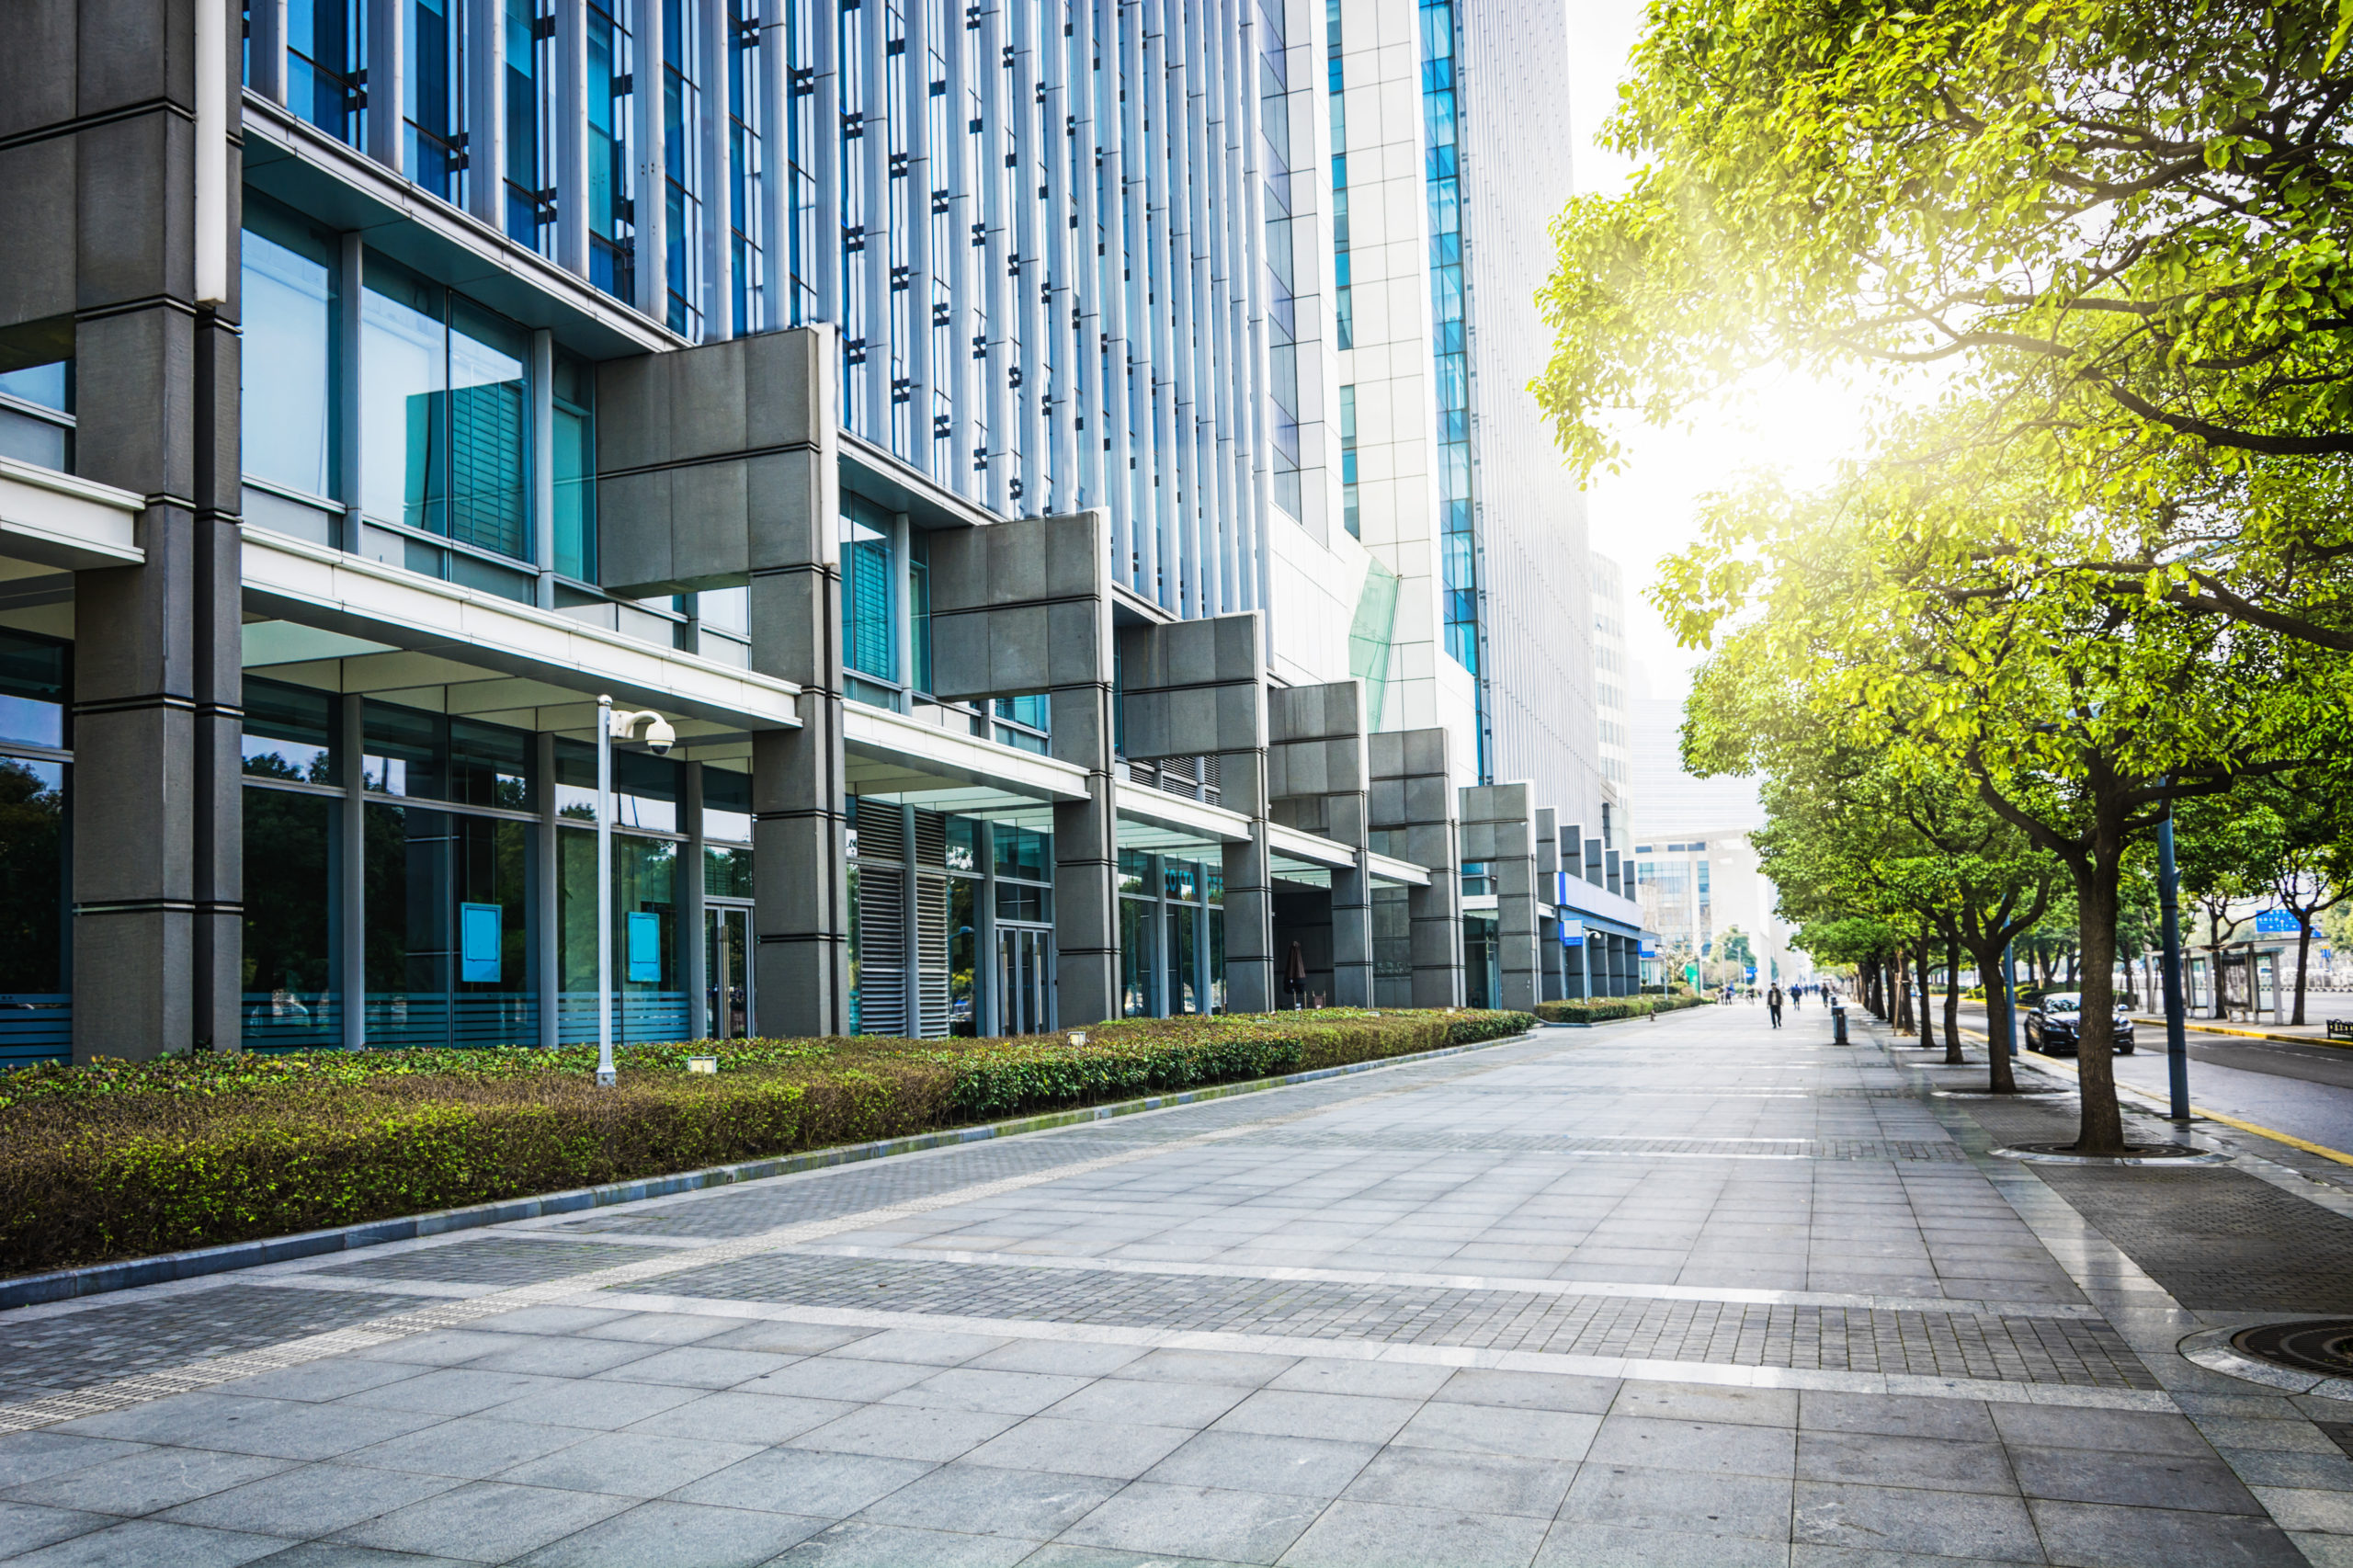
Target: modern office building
{"x": 1611, "y": 671}
{"x": 1041, "y": 456}
{"x": 1701, "y": 885}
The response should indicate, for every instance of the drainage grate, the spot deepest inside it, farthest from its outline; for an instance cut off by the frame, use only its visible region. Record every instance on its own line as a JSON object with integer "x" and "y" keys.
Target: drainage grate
{"x": 2316, "y": 1345}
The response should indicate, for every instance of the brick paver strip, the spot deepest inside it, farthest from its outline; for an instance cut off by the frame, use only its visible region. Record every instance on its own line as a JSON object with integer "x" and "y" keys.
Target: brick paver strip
{"x": 45, "y": 1356}
{"x": 2072, "y": 1350}
{"x": 2218, "y": 1238}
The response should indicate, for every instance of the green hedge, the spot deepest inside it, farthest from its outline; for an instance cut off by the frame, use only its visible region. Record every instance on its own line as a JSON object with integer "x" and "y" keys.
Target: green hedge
{"x": 1607, "y": 1010}
{"x": 121, "y": 1160}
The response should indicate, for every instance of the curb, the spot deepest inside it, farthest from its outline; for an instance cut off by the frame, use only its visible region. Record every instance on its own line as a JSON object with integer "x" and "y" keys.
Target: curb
{"x": 2211, "y": 1348}
{"x": 2198, "y": 1025}
{"x": 99, "y": 1278}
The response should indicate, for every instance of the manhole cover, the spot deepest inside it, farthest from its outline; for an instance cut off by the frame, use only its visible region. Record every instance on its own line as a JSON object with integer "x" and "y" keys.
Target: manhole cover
{"x": 2316, "y": 1345}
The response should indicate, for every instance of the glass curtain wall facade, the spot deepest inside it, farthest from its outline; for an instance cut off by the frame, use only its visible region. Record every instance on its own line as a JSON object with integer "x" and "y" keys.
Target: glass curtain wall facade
{"x": 1449, "y": 345}
{"x": 1172, "y": 935}
{"x": 1055, "y": 235}
{"x": 36, "y": 763}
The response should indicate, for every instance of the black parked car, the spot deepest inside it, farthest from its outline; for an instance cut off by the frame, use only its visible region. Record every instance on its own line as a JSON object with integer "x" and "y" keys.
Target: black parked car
{"x": 2053, "y": 1025}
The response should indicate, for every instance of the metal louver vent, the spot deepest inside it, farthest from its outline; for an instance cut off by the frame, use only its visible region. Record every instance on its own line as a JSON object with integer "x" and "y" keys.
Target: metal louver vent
{"x": 881, "y": 950}
{"x": 880, "y": 835}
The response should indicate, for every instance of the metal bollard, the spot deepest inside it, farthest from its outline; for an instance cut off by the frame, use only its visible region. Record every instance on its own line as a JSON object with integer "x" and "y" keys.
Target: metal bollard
{"x": 1838, "y": 1024}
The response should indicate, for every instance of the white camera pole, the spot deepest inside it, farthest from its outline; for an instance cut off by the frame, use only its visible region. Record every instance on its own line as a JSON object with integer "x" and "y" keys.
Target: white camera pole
{"x": 605, "y": 1076}
{"x": 661, "y": 737}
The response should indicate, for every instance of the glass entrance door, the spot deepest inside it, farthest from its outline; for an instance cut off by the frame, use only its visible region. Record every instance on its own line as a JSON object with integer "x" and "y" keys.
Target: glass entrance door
{"x": 1025, "y": 975}
{"x": 728, "y": 967}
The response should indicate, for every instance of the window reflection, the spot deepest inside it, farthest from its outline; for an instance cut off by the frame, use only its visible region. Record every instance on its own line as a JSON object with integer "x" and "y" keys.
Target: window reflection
{"x": 289, "y": 355}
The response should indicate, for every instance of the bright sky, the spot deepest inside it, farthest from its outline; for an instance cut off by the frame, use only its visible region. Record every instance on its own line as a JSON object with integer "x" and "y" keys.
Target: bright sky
{"x": 1647, "y": 512}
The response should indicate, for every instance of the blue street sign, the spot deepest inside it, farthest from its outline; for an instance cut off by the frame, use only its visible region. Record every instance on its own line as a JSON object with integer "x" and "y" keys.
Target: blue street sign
{"x": 1572, "y": 933}
{"x": 478, "y": 945}
{"x": 644, "y": 947}
{"x": 1650, "y": 947}
{"x": 2275, "y": 922}
{"x": 1752, "y": 974}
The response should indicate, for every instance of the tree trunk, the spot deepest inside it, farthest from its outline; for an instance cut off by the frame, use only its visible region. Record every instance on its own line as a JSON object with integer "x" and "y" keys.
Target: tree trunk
{"x": 1899, "y": 976}
{"x": 1953, "y": 1004}
{"x": 2102, "y": 1128}
{"x": 1928, "y": 1024}
{"x": 2303, "y": 951}
{"x": 1997, "y": 1017}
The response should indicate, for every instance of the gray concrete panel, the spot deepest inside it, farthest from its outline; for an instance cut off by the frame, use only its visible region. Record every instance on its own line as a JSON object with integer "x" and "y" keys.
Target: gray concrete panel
{"x": 37, "y": 185}
{"x": 37, "y": 76}
{"x": 708, "y": 463}
{"x": 130, "y": 173}
{"x": 1413, "y": 817}
{"x": 136, "y": 52}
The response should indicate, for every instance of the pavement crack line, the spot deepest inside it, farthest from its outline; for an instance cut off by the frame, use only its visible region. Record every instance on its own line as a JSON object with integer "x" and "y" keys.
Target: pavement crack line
{"x": 196, "y": 1376}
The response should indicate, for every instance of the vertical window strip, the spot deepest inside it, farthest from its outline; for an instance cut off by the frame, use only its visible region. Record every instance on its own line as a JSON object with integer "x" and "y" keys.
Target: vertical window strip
{"x": 747, "y": 170}
{"x": 1458, "y": 542}
{"x": 682, "y": 110}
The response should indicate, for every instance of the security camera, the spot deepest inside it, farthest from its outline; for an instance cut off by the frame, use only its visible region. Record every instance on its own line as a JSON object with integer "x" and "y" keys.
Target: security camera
{"x": 660, "y": 737}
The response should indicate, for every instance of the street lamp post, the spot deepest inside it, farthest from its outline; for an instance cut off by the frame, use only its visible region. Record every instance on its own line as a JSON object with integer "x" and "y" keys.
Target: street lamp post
{"x": 660, "y": 736}
{"x": 2009, "y": 995}
{"x": 2177, "y": 1045}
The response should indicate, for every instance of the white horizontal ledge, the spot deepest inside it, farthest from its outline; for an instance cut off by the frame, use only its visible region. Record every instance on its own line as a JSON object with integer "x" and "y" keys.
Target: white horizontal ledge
{"x": 1311, "y": 848}
{"x": 313, "y": 586}
{"x": 933, "y": 761}
{"x": 53, "y": 520}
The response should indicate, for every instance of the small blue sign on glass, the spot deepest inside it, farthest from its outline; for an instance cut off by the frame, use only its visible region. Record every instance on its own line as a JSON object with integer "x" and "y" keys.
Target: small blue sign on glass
{"x": 1572, "y": 933}
{"x": 2276, "y": 923}
{"x": 644, "y": 947}
{"x": 478, "y": 944}
{"x": 1650, "y": 947}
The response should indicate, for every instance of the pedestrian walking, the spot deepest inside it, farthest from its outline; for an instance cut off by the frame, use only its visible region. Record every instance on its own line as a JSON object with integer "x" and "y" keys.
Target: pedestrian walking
{"x": 1773, "y": 1006}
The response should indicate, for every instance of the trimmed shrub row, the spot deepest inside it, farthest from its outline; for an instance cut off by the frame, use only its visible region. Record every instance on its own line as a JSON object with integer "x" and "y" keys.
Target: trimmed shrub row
{"x": 1609, "y": 1010}
{"x": 123, "y": 1160}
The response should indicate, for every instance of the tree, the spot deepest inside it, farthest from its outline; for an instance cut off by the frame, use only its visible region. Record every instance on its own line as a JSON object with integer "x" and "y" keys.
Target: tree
{"x": 2116, "y": 225}
{"x": 2077, "y": 708}
{"x": 1856, "y": 842}
{"x": 1732, "y": 948}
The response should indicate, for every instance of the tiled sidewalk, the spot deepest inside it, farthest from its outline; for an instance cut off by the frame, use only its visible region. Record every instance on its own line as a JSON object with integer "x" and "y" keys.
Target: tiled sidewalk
{"x": 1546, "y": 1304}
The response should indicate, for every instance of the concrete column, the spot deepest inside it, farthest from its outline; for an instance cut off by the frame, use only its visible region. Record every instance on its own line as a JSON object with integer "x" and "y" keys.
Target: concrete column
{"x": 351, "y": 896}
{"x": 1024, "y": 606}
{"x": 387, "y": 74}
{"x": 903, "y": 619}
{"x": 1498, "y": 829}
{"x": 349, "y": 445}
{"x": 485, "y": 90}
{"x": 1199, "y": 687}
{"x": 1317, "y": 782}
{"x": 267, "y": 23}
{"x": 1087, "y": 849}
{"x": 693, "y": 951}
{"x": 775, "y": 192}
{"x": 914, "y": 112}
{"x": 648, "y": 134}
{"x": 547, "y": 908}
{"x": 543, "y": 465}
{"x": 102, "y": 158}
{"x": 1412, "y": 801}
{"x": 571, "y": 136}
{"x": 1250, "y": 959}
{"x": 716, "y": 464}
{"x": 1551, "y": 976}
{"x": 712, "y": 160}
